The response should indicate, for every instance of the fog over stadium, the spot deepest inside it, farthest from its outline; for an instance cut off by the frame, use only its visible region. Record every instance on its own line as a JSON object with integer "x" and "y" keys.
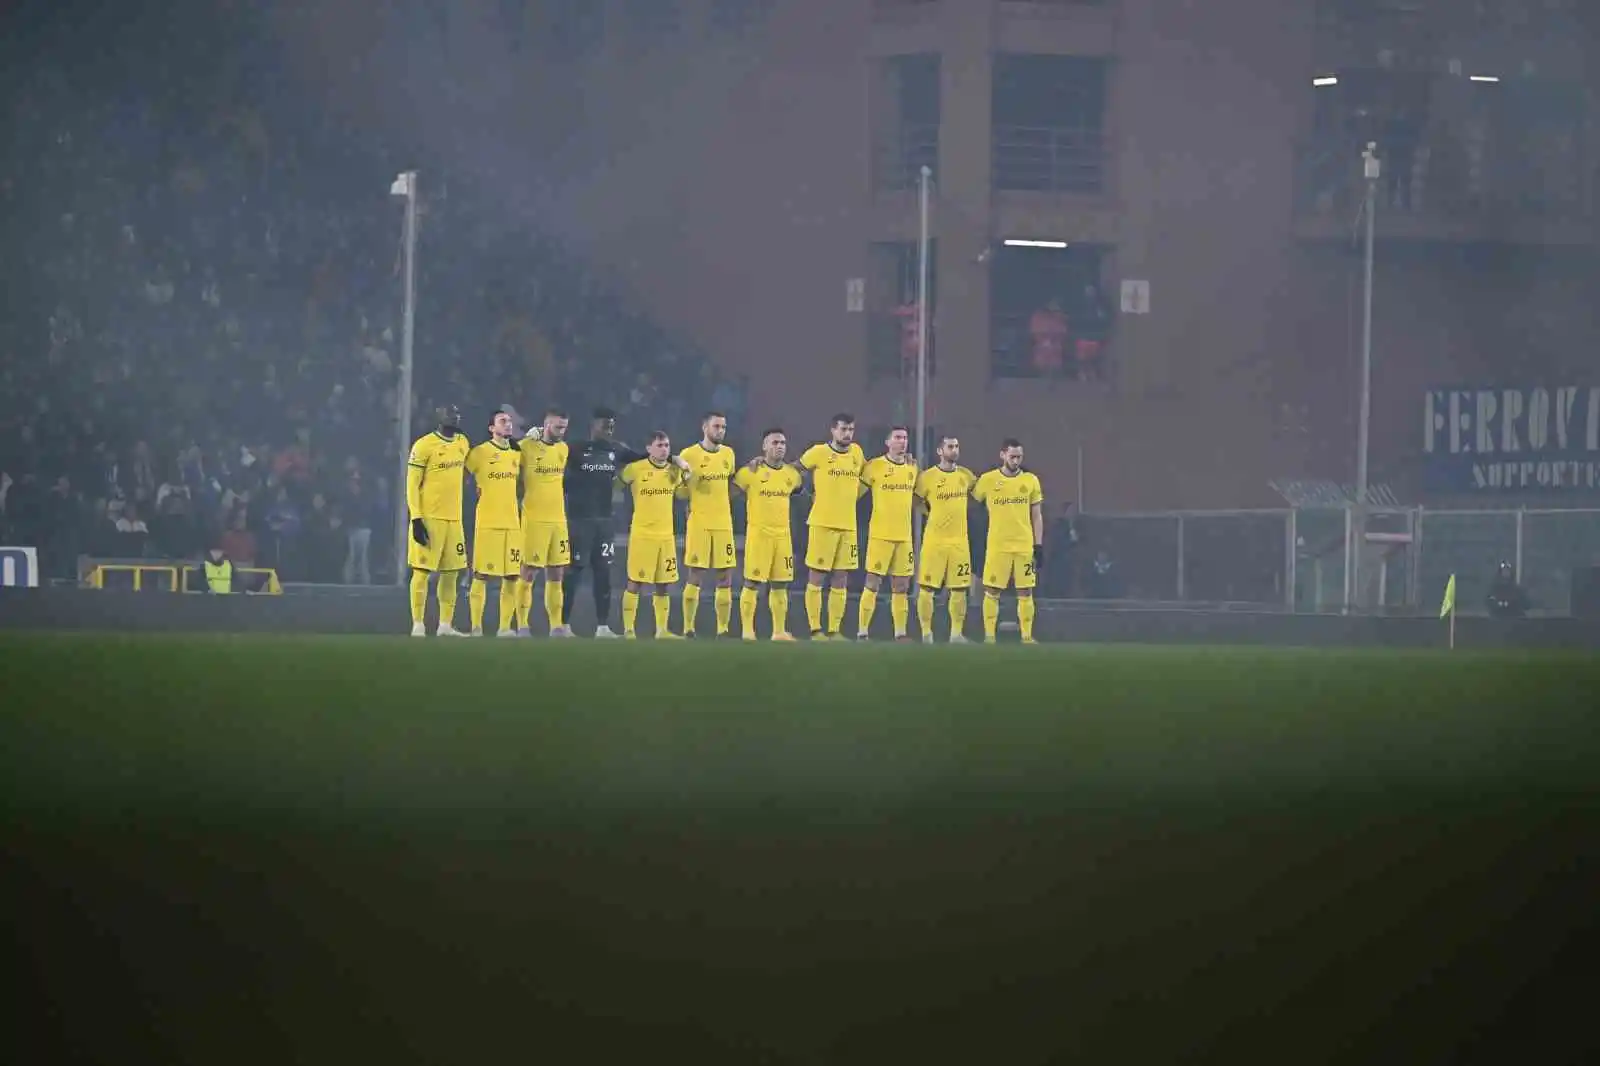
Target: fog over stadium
{"x": 443, "y": 443}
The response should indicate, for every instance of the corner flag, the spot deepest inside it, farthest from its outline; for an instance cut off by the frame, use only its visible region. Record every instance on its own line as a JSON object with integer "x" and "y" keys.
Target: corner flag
{"x": 1447, "y": 609}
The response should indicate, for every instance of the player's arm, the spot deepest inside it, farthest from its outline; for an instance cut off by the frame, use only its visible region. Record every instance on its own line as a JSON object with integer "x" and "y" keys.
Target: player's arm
{"x": 416, "y": 470}
{"x": 742, "y": 478}
{"x": 1036, "y": 517}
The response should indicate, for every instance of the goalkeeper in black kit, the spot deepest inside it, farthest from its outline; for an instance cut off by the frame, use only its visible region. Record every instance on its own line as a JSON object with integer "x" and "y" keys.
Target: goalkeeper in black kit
{"x": 592, "y": 467}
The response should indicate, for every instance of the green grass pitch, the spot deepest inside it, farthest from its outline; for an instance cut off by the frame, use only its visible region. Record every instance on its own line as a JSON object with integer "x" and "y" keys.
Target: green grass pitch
{"x": 261, "y": 849}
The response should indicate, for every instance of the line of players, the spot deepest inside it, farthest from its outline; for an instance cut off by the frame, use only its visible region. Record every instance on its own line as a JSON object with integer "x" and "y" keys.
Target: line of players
{"x": 519, "y": 537}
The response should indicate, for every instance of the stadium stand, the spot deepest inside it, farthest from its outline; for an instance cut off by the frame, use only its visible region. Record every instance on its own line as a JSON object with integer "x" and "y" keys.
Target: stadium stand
{"x": 202, "y": 320}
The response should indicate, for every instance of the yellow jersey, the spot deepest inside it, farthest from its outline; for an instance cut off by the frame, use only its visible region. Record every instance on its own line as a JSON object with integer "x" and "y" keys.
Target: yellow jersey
{"x": 653, "y": 489}
{"x": 544, "y": 478}
{"x": 707, "y": 488}
{"x": 436, "y": 476}
{"x": 768, "y": 490}
{"x": 835, "y": 484}
{"x": 496, "y": 465}
{"x": 891, "y": 484}
{"x": 945, "y": 492}
{"x": 1010, "y": 499}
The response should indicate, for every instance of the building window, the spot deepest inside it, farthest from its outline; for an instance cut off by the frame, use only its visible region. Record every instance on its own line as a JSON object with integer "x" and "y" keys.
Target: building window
{"x": 908, "y": 135}
{"x": 1049, "y": 123}
{"x": 1050, "y": 317}
{"x": 893, "y": 318}
{"x": 738, "y": 16}
{"x": 569, "y": 29}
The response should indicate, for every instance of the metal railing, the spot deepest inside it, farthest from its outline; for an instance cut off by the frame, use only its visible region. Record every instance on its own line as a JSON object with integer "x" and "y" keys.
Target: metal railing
{"x": 1303, "y": 559}
{"x": 1069, "y": 159}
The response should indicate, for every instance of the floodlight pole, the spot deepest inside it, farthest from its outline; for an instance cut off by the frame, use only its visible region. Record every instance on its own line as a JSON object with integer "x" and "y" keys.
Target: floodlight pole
{"x": 925, "y": 180}
{"x": 406, "y": 186}
{"x": 1372, "y": 168}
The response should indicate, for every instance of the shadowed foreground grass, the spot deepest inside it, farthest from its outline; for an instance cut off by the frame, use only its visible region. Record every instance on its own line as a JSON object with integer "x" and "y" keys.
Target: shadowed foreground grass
{"x": 337, "y": 849}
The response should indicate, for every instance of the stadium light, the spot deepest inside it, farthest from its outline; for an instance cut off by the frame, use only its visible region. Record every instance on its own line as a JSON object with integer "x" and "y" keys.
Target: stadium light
{"x": 1326, "y": 80}
{"x": 1483, "y": 77}
{"x": 1035, "y": 244}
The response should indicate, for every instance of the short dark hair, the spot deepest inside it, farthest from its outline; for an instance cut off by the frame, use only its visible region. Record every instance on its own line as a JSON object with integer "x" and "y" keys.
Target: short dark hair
{"x": 769, "y": 432}
{"x": 843, "y": 418}
{"x": 603, "y": 414}
{"x": 709, "y": 415}
{"x": 554, "y": 412}
{"x": 948, "y": 436}
{"x": 659, "y": 434}
{"x": 899, "y": 429}
{"x": 1009, "y": 443}
{"x": 497, "y": 412}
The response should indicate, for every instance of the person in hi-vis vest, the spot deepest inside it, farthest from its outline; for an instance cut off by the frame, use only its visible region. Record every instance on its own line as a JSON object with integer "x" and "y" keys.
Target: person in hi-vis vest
{"x": 218, "y": 572}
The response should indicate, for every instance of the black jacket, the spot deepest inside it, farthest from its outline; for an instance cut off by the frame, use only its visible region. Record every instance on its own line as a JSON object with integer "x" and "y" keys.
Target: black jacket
{"x": 592, "y": 466}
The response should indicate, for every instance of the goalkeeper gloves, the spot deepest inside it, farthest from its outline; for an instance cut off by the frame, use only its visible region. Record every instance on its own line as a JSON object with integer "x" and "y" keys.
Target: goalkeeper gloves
{"x": 1038, "y": 557}
{"x": 419, "y": 531}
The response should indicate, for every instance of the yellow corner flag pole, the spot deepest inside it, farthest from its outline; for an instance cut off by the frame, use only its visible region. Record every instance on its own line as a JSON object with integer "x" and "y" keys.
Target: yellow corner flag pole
{"x": 1447, "y": 609}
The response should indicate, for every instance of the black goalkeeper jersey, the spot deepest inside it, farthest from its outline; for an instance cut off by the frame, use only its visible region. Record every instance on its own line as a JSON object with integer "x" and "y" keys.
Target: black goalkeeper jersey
{"x": 592, "y": 466}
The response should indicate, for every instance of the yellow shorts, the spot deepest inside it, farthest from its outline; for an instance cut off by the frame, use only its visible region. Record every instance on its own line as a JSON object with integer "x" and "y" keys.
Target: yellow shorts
{"x": 446, "y": 548}
{"x": 889, "y": 558}
{"x": 769, "y": 557}
{"x": 709, "y": 549}
{"x": 652, "y": 560}
{"x": 1008, "y": 568}
{"x": 545, "y": 544}
{"x": 945, "y": 566}
{"x": 832, "y": 549}
{"x": 497, "y": 552}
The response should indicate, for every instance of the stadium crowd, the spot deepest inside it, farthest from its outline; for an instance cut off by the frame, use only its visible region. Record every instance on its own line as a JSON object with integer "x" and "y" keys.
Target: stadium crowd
{"x": 201, "y": 335}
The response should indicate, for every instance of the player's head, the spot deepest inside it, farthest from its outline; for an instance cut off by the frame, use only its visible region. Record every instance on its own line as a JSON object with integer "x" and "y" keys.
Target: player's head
{"x": 602, "y": 424}
{"x": 660, "y": 447}
{"x": 1011, "y": 455}
{"x": 896, "y": 443}
{"x": 774, "y": 445}
{"x": 500, "y": 426}
{"x": 447, "y": 417}
{"x": 715, "y": 426}
{"x": 555, "y": 424}
{"x": 843, "y": 429}
{"x": 949, "y": 450}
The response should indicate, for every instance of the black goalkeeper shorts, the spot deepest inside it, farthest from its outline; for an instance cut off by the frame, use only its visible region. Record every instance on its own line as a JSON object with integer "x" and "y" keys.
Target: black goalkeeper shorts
{"x": 591, "y": 542}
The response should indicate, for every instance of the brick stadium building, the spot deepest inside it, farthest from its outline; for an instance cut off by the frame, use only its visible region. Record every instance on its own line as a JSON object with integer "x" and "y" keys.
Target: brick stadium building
{"x": 739, "y": 162}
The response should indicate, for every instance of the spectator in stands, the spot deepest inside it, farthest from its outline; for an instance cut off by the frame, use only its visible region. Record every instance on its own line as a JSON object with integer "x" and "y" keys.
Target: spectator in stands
{"x": 1105, "y": 582}
{"x": 325, "y": 542}
{"x": 359, "y": 509}
{"x": 237, "y": 542}
{"x": 1091, "y": 323}
{"x": 132, "y": 534}
{"x": 1060, "y": 544}
{"x": 1048, "y": 330}
{"x": 283, "y": 523}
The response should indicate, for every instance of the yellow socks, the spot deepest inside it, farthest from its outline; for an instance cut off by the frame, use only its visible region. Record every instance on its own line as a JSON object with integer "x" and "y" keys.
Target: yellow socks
{"x": 958, "y": 610}
{"x": 813, "y": 607}
{"x": 663, "y": 607}
{"x": 509, "y": 594}
{"x": 691, "y": 607}
{"x": 722, "y": 599}
{"x": 869, "y": 605}
{"x": 747, "y": 612}
{"x": 900, "y": 611}
{"x": 446, "y": 591}
{"x": 778, "y": 605}
{"x": 837, "y": 602}
{"x": 419, "y": 596}
{"x": 554, "y": 595}
{"x": 991, "y": 615}
{"x": 477, "y": 597}
{"x": 925, "y": 611}
{"x": 630, "y": 612}
{"x": 1025, "y": 611}
{"x": 525, "y": 602}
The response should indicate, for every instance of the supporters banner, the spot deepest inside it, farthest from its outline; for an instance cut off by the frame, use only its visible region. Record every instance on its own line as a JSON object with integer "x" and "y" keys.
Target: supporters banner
{"x": 1540, "y": 438}
{"x": 19, "y": 568}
